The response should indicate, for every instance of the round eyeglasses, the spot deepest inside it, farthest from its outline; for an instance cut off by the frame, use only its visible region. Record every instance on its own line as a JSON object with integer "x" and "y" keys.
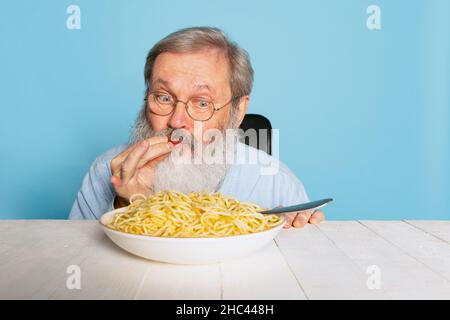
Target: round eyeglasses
{"x": 199, "y": 109}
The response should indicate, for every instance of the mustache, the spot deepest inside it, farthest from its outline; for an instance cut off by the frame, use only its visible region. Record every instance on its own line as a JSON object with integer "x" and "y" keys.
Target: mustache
{"x": 164, "y": 133}
{"x": 177, "y": 135}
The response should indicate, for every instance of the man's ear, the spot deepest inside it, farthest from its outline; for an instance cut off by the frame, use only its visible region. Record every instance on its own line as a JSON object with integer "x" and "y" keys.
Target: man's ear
{"x": 242, "y": 109}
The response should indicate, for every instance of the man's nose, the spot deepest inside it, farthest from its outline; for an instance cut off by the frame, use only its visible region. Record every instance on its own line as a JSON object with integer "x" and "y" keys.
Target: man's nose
{"x": 179, "y": 116}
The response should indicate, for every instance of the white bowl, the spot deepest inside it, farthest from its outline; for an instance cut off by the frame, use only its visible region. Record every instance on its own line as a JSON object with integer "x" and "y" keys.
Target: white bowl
{"x": 189, "y": 250}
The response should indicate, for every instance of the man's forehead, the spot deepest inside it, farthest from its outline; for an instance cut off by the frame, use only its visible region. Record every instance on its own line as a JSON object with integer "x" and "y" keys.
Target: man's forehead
{"x": 196, "y": 85}
{"x": 202, "y": 71}
{"x": 210, "y": 63}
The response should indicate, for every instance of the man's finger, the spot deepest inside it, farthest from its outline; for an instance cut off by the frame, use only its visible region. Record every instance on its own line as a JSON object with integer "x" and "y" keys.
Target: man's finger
{"x": 155, "y": 151}
{"x": 152, "y": 163}
{"x": 117, "y": 161}
{"x": 317, "y": 217}
{"x": 129, "y": 164}
{"x": 116, "y": 181}
{"x": 289, "y": 219}
{"x": 301, "y": 220}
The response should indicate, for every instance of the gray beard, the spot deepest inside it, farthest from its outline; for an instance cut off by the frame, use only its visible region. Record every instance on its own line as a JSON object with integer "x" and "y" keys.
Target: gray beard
{"x": 193, "y": 176}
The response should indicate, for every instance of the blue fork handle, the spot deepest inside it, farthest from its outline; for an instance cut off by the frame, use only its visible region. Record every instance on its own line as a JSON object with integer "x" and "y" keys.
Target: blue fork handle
{"x": 300, "y": 207}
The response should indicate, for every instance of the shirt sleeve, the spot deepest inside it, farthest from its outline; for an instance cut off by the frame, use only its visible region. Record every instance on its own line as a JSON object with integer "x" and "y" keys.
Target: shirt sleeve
{"x": 96, "y": 195}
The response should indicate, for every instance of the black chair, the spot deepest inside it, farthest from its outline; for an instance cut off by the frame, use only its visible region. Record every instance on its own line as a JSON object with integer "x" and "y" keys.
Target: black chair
{"x": 262, "y": 129}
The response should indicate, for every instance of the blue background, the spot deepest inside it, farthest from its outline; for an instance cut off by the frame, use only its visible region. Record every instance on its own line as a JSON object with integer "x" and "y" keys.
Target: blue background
{"x": 363, "y": 114}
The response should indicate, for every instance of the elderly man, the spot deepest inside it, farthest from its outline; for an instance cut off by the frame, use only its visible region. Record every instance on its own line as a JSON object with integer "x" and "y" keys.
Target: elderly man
{"x": 197, "y": 82}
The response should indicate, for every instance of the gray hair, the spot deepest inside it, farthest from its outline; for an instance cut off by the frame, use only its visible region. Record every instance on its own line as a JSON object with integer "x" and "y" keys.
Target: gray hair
{"x": 199, "y": 38}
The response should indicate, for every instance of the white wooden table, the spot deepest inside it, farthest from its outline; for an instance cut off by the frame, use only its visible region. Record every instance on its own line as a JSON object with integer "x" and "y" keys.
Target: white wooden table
{"x": 330, "y": 261}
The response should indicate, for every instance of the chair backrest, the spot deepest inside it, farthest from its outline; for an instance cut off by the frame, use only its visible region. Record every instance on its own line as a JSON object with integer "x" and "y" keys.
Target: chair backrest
{"x": 263, "y": 131}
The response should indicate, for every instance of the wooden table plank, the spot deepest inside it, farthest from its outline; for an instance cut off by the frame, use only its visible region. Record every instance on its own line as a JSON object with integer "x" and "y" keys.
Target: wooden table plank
{"x": 33, "y": 258}
{"x": 262, "y": 275}
{"x": 36, "y": 268}
{"x": 107, "y": 272}
{"x": 402, "y": 276}
{"x": 169, "y": 281}
{"x": 438, "y": 228}
{"x": 324, "y": 271}
{"x": 424, "y": 247}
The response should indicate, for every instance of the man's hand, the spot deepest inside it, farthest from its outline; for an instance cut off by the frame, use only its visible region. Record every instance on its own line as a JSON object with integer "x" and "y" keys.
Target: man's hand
{"x": 133, "y": 169}
{"x": 300, "y": 219}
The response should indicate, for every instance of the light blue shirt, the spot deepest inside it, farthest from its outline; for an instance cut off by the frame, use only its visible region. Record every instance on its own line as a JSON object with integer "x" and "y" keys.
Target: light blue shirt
{"x": 254, "y": 176}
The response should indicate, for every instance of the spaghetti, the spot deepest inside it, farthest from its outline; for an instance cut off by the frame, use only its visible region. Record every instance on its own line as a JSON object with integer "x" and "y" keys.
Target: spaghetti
{"x": 193, "y": 215}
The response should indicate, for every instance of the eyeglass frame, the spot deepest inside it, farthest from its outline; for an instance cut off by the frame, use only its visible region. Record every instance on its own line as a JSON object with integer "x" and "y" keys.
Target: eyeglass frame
{"x": 176, "y": 101}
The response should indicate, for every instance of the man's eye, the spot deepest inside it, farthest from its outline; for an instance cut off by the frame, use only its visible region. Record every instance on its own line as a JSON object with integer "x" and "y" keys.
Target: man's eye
{"x": 164, "y": 98}
{"x": 203, "y": 104}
